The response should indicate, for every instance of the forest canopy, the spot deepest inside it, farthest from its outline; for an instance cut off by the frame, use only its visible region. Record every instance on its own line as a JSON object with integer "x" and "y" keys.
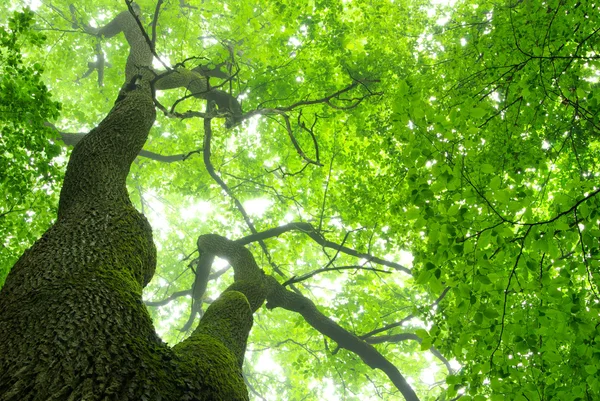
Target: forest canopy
{"x": 425, "y": 172}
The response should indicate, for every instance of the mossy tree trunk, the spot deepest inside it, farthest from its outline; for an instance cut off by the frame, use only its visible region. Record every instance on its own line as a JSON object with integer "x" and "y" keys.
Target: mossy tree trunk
{"x": 72, "y": 322}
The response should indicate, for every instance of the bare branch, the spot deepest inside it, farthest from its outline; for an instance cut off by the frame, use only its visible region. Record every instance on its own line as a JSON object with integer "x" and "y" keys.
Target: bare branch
{"x": 211, "y": 171}
{"x": 154, "y": 23}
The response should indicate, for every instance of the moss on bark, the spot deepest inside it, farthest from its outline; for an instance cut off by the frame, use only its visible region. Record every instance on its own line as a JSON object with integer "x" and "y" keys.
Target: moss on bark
{"x": 72, "y": 322}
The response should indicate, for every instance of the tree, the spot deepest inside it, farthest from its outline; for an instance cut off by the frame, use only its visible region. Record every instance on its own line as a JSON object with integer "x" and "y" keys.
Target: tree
{"x": 465, "y": 135}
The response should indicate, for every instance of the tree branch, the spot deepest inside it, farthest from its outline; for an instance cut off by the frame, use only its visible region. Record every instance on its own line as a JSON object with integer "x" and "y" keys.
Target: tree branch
{"x": 170, "y": 298}
{"x": 309, "y": 230}
{"x": 211, "y": 171}
{"x": 278, "y": 296}
{"x": 71, "y": 139}
{"x": 306, "y": 276}
{"x": 394, "y": 338}
{"x": 405, "y": 319}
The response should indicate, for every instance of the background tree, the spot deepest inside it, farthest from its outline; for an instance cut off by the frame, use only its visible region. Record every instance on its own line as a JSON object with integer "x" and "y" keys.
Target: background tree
{"x": 462, "y": 135}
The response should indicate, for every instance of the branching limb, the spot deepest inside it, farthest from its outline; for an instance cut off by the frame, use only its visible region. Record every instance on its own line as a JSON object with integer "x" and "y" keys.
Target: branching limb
{"x": 11, "y": 210}
{"x": 309, "y": 230}
{"x": 409, "y": 336}
{"x": 251, "y": 281}
{"x": 97, "y": 65}
{"x": 129, "y": 23}
{"x": 71, "y": 139}
{"x": 197, "y": 84}
{"x": 506, "y": 292}
{"x": 170, "y": 298}
{"x": 306, "y": 276}
{"x": 324, "y": 100}
{"x": 202, "y": 276}
{"x": 211, "y": 171}
{"x": 537, "y": 223}
{"x": 348, "y": 103}
{"x": 224, "y": 100}
{"x": 278, "y": 296}
{"x": 154, "y": 23}
{"x": 405, "y": 319}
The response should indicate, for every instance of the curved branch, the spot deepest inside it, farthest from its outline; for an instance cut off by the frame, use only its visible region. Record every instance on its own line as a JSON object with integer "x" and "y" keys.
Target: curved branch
{"x": 71, "y": 139}
{"x": 211, "y": 171}
{"x": 404, "y": 320}
{"x": 409, "y": 336}
{"x": 168, "y": 299}
{"x": 288, "y": 128}
{"x": 278, "y": 296}
{"x": 306, "y": 276}
{"x": 309, "y": 230}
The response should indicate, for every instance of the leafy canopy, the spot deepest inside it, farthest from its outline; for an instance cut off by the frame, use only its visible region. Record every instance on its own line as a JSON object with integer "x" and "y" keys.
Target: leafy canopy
{"x": 28, "y": 173}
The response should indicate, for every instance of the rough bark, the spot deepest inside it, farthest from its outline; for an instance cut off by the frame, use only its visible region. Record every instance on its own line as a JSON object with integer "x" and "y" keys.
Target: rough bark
{"x": 72, "y": 322}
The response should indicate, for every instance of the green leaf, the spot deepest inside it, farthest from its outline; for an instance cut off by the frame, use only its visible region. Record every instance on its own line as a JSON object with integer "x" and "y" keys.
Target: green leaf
{"x": 478, "y": 113}
{"x": 491, "y": 313}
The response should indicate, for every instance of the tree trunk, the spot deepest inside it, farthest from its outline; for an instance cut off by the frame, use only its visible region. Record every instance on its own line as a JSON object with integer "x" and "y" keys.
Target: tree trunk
{"x": 72, "y": 322}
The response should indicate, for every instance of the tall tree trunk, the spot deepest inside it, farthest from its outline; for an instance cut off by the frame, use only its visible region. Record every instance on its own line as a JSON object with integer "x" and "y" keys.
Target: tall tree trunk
{"x": 72, "y": 322}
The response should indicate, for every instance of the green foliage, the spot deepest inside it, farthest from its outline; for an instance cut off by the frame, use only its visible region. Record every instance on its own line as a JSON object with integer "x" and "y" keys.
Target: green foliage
{"x": 480, "y": 158}
{"x": 29, "y": 176}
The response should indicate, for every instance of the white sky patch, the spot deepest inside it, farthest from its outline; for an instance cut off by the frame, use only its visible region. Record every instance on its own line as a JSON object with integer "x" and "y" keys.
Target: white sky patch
{"x": 455, "y": 365}
{"x": 325, "y": 287}
{"x": 33, "y": 4}
{"x": 418, "y": 323}
{"x": 449, "y": 3}
{"x": 209, "y": 41}
{"x": 156, "y": 212}
{"x": 336, "y": 222}
{"x": 294, "y": 42}
{"x": 443, "y": 20}
{"x": 288, "y": 218}
{"x": 405, "y": 258}
{"x": 219, "y": 263}
{"x": 327, "y": 387}
{"x": 428, "y": 374}
{"x": 199, "y": 210}
{"x": 272, "y": 162}
{"x": 252, "y": 127}
{"x": 156, "y": 63}
{"x": 267, "y": 364}
{"x": 169, "y": 314}
{"x": 257, "y": 207}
